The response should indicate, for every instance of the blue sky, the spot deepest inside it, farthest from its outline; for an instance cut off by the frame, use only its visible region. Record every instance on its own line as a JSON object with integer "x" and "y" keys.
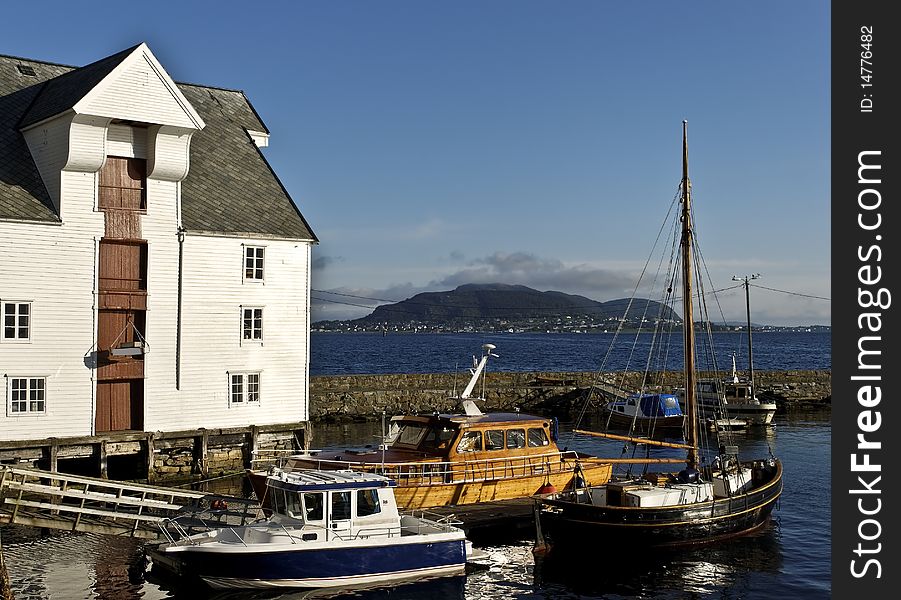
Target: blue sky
{"x": 431, "y": 144}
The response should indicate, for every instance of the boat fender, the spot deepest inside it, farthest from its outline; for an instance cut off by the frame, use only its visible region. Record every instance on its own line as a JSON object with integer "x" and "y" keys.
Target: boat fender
{"x": 689, "y": 475}
{"x": 547, "y": 488}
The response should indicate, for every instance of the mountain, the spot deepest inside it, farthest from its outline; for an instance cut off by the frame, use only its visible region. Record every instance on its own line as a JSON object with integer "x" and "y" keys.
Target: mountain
{"x": 509, "y": 302}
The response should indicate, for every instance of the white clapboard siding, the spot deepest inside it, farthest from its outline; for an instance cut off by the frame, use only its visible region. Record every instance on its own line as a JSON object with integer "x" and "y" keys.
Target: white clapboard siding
{"x": 214, "y": 292}
{"x": 49, "y": 146}
{"x": 123, "y": 140}
{"x": 137, "y": 92}
{"x": 53, "y": 266}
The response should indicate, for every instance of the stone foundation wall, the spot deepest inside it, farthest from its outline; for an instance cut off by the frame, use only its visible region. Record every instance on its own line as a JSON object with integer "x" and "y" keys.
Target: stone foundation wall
{"x": 352, "y": 397}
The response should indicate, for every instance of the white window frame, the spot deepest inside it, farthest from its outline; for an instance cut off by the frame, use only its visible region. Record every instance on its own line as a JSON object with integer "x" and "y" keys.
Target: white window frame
{"x": 29, "y": 390}
{"x": 244, "y": 388}
{"x": 16, "y": 316}
{"x": 258, "y": 270}
{"x": 256, "y": 333}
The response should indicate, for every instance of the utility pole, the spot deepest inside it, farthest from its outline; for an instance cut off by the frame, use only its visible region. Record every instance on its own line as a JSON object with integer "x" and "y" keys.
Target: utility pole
{"x": 745, "y": 281}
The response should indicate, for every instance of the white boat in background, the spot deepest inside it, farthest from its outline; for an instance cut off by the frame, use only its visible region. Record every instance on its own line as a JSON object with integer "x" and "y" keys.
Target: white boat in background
{"x": 328, "y": 529}
{"x": 731, "y": 399}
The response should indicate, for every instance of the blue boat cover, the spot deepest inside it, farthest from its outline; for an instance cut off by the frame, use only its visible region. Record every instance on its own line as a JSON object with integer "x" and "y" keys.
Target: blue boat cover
{"x": 660, "y": 405}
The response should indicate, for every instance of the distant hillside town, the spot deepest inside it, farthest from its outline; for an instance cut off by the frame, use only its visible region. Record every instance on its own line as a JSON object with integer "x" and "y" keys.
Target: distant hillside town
{"x": 492, "y": 308}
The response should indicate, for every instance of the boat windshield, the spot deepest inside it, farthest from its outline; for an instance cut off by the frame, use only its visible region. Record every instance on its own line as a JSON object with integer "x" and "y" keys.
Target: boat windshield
{"x": 410, "y": 434}
{"x": 736, "y": 391}
{"x": 438, "y": 437}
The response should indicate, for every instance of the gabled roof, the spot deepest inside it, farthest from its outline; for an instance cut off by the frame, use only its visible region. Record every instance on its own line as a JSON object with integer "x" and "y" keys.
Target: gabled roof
{"x": 230, "y": 187}
{"x": 63, "y": 92}
{"x": 22, "y": 192}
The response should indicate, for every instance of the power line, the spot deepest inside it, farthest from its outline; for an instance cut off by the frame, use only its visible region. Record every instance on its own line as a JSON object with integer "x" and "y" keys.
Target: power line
{"x": 791, "y": 293}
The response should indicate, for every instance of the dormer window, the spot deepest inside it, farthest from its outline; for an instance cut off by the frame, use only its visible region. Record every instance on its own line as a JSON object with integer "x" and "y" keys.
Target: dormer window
{"x": 123, "y": 183}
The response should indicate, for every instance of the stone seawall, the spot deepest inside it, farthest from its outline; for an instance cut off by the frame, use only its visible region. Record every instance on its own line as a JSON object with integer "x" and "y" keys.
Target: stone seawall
{"x": 363, "y": 397}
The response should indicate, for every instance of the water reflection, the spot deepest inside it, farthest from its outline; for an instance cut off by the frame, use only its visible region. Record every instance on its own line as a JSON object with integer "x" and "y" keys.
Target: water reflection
{"x": 726, "y": 569}
{"x": 788, "y": 558}
{"x": 445, "y": 587}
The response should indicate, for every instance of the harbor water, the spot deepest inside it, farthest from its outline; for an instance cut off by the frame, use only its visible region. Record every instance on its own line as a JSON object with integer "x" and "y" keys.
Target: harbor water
{"x": 788, "y": 558}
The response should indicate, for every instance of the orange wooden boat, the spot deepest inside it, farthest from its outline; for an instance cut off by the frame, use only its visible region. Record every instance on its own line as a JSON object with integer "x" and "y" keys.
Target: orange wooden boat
{"x": 458, "y": 459}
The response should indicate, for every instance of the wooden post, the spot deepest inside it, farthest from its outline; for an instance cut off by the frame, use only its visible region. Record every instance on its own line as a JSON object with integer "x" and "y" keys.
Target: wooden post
{"x": 252, "y": 446}
{"x": 53, "y": 454}
{"x": 102, "y": 459}
{"x": 151, "y": 463}
{"x": 201, "y": 447}
{"x": 6, "y": 591}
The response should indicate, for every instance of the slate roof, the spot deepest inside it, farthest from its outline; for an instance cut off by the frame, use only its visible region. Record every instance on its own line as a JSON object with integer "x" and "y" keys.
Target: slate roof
{"x": 230, "y": 187}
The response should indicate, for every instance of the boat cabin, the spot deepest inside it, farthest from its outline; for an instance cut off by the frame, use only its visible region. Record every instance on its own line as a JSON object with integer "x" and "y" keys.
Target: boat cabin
{"x": 449, "y": 437}
{"x": 329, "y": 504}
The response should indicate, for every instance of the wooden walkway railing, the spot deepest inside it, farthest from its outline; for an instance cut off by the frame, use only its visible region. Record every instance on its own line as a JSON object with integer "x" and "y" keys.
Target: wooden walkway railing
{"x": 75, "y": 503}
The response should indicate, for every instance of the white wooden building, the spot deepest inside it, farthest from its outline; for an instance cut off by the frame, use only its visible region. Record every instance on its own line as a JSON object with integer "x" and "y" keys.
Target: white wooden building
{"x": 156, "y": 273}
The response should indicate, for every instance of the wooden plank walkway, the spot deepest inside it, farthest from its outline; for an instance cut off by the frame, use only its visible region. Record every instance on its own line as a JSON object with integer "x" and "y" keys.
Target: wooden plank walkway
{"x": 75, "y": 503}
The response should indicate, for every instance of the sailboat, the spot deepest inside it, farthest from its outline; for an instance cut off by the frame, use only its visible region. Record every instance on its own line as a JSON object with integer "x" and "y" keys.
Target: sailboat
{"x": 707, "y": 500}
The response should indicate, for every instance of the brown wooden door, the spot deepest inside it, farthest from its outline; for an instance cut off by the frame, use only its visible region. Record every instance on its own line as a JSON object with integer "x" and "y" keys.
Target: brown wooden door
{"x": 120, "y": 405}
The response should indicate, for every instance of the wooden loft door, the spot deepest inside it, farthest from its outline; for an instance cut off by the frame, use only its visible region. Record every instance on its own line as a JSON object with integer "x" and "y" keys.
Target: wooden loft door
{"x": 120, "y": 405}
{"x": 122, "y": 299}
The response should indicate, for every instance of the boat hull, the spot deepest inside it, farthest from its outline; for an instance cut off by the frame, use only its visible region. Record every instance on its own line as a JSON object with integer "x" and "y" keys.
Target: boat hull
{"x": 752, "y": 414}
{"x": 418, "y": 492}
{"x": 565, "y": 525}
{"x": 255, "y": 566}
{"x": 644, "y": 424}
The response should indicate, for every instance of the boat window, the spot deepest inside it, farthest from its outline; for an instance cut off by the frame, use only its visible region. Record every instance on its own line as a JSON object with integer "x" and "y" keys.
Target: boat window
{"x": 470, "y": 442}
{"x": 277, "y": 500}
{"x": 516, "y": 438}
{"x": 340, "y": 506}
{"x": 410, "y": 434}
{"x": 293, "y": 505}
{"x": 631, "y": 402}
{"x": 740, "y": 392}
{"x": 619, "y": 408}
{"x": 670, "y": 402}
{"x": 494, "y": 439}
{"x": 438, "y": 438}
{"x": 312, "y": 503}
{"x": 537, "y": 438}
{"x": 367, "y": 503}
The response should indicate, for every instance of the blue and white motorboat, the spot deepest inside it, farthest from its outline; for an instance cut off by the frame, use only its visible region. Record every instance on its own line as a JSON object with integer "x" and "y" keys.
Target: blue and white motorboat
{"x": 327, "y": 529}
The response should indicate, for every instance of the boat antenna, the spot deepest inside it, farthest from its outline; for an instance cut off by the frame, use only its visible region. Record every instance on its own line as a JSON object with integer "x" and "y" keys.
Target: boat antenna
{"x": 745, "y": 281}
{"x": 688, "y": 326}
{"x": 469, "y": 407}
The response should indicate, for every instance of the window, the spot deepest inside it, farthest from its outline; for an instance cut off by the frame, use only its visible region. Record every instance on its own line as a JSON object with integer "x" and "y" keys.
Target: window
{"x": 252, "y": 324}
{"x": 244, "y": 388}
{"x": 17, "y": 321}
{"x": 367, "y": 503}
{"x": 537, "y": 438}
{"x": 253, "y": 262}
{"x": 494, "y": 439}
{"x": 27, "y": 395}
{"x": 293, "y": 505}
{"x": 471, "y": 441}
{"x": 516, "y": 438}
{"x": 340, "y": 506}
{"x": 312, "y": 502}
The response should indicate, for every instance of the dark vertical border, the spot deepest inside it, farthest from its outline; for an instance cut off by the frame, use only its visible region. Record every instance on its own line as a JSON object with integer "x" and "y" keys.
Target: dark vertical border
{"x": 865, "y": 271}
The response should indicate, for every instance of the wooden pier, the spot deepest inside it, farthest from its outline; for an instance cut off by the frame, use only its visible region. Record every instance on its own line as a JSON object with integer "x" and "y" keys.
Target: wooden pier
{"x": 38, "y": 498}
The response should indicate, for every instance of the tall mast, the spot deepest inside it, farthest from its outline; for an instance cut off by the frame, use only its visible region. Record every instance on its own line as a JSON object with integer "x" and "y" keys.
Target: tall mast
{"x": 745, "y": 280}
{"x": 688, "y": 322}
